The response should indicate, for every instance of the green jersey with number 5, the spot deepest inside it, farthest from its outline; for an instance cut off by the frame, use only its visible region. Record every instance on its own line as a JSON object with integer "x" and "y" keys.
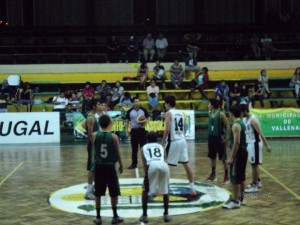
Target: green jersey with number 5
{"x": 104, "y": 148}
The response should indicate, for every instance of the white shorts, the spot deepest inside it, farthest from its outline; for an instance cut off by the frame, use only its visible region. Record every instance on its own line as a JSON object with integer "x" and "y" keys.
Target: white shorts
{"x": 159, "y": 178}
{"x": 255, "y": 152}
{"x": 177, "y": 152}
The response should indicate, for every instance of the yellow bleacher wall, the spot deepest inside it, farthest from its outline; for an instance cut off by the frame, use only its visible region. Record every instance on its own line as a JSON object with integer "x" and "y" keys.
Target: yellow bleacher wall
{"x": 80, "y": 73}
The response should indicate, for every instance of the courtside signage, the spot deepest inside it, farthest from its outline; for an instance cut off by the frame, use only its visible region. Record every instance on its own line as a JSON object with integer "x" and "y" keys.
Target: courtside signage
{"x": 209, "y": 196}
{"x": 119, "y": 124}
{"x": 35, "y": 127}
{"x": 282, "y": 122}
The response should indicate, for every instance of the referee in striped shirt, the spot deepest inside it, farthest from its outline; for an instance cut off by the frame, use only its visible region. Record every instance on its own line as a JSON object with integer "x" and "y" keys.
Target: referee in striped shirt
{"x": 137, "y": 130}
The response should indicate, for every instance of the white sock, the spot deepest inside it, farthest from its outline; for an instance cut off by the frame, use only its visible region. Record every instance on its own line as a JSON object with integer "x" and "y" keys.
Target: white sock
{"x": 192, "y": 185}
{"x": 89, "y": 188}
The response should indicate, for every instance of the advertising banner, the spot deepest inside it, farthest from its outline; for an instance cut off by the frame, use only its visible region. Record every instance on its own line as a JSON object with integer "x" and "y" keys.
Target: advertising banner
{"x": 282, "y": 122}
{"x": 29, "y": 127}
{"x": 119, "y": 124}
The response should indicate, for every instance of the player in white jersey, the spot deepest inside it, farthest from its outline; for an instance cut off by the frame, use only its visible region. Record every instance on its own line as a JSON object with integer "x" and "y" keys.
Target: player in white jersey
{"x": 157, "y": 175}
{"x": 175, "y": 132}
{"x": 255, "y": 140}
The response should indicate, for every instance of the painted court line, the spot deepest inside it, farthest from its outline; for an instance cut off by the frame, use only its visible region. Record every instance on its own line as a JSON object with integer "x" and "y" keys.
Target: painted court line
{"x": 14, "y": 170}
{"x": 279, "y": 182}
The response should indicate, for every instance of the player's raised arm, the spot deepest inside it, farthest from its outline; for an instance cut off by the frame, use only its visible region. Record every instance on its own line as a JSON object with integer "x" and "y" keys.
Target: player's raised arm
{"x": 117, "y": 149}
{"x": 167, "y": 128}
{"x": 256, "y": 126}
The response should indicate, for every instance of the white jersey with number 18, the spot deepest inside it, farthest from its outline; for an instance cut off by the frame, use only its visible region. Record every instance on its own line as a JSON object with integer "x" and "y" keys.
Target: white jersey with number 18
{"x": 153, "y": 152}
{"x": 177, "y": 125}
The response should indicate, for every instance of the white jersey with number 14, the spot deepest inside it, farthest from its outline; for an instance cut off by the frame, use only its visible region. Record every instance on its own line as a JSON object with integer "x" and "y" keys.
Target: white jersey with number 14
{"x": 177, "y": 125}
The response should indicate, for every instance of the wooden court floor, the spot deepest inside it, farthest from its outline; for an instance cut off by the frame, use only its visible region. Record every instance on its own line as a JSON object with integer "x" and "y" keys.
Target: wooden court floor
{"x": 29, "y": 173}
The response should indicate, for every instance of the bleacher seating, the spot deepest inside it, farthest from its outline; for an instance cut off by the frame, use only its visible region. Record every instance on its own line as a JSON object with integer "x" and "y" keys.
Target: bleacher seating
{"x": 82, "y": 46}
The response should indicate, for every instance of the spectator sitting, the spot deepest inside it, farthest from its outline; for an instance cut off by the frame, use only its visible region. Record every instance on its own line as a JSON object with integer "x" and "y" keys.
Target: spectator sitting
{"x": 3, "y": 104}
{"x": 74, "y": 101}
{"x": 88, "y": 95}
{"x": 68, "y": 122}
{"x": 5, "y": 88}
{"x": 176, "y": 71}
{"x": 60, "y": 103}
{"x": 152, "y": 94}
{"x": 159, "y": 74}
{"x": 245, "y": 93}
{"x": 295, "y": 82}
{"x": 161, "y": 44}
{"x": 264, "y": 80}
{"x": 191, "y": 65}
{"x": 113, "y": 50}
{"x": 258, "y": 95}
{"x": 126, "y": 101}
{"x": 14, "y": 82}
{"x": 68, "y": 93}
{"x": 267, "y": 46}
{"x": 142, "y": 75}
{"x": 235, "y": 93}
{"x": 254, "y": 42}
{"x": 148, "y": 45}
{"x": 200, "y": 82}
{"x": 25, "y": 96}
{"x": 117, "y": 94}
{"x": 132, "y": 50}
{"x": 104, "y": 92}
{"x": 192, "y": 40}
{"x": 221, "y": 93}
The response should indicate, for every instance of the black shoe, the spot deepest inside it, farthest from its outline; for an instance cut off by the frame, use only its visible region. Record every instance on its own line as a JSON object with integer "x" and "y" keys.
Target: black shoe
{"x": 117, "y": 220}
{"x": 132, "y": 167}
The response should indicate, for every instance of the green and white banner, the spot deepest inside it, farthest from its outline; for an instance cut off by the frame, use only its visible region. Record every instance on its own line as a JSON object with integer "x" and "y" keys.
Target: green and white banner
{"x": 119, "y": 124}
{"x": 282, "y": 122}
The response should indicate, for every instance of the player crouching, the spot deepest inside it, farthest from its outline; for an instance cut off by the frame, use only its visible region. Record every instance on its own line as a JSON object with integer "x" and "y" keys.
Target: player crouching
{"x": 157, "y": 175}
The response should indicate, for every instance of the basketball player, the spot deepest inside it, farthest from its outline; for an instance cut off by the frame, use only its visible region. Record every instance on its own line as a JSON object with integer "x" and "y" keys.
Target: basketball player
{"x": 237, "y": 159}
{"x": 101, "y": 110}
{"x": 91, "y": 125}
{"x": 255, "y": 140}
{"x": 106, "y": 147}
{"x": 217, "y": 141}
{"x": 157, "y": 175}
{"x": 175, "y": 132}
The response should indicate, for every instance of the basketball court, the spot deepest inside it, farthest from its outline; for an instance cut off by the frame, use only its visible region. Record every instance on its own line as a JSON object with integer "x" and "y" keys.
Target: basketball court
{"x": 31, "y": 177}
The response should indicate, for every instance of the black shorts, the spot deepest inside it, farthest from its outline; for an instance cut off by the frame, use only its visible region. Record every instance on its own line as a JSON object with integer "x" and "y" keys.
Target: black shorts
{"x": 90, "y": 156}
{"x": 106, "y": 176}
{"x": 238, "y": 167}
{"x": 215, "y": 146}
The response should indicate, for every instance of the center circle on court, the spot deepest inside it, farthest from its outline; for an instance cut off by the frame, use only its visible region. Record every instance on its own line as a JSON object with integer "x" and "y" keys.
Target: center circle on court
{"x": 209, "y": 196}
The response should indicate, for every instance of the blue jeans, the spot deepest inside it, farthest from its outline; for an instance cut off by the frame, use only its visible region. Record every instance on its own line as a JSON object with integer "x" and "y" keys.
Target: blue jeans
{"x": 153, "y": 101}
{"x": 178, "y": 79}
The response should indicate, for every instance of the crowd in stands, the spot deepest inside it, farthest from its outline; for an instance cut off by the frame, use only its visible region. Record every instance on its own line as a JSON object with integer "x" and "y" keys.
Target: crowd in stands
{"x": 14, "y": 90}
